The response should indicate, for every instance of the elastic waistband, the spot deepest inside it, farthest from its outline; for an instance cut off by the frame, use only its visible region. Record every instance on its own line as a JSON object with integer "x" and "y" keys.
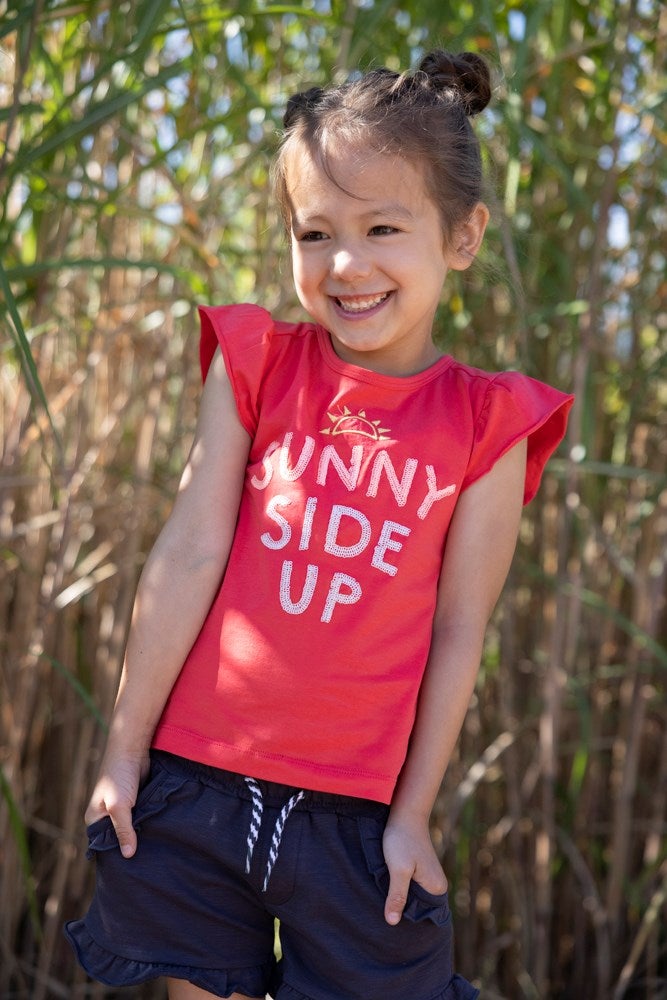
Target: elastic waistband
{"x": 274, "y": 794}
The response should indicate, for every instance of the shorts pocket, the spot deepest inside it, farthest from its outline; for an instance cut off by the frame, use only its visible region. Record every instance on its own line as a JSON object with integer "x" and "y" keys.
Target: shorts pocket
{"x": 101, "y": 837}
{"x": 151, "y": 799}
{"x": 421, "y": 904}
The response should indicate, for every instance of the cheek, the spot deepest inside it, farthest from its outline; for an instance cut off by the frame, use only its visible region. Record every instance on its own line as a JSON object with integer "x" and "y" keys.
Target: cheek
{"x": 297, "y": 274}
{"x": 303, "y": 271}
{"x": 301, "y": 284}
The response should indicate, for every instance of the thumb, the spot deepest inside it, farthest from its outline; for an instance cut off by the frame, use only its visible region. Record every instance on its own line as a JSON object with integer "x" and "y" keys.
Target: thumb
{"x": 121, "y": 818}
{"x": 397, "y": 896}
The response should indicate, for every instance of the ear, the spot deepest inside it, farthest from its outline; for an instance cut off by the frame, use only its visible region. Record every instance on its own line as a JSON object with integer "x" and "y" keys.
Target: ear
{"x": 468, "y": 238}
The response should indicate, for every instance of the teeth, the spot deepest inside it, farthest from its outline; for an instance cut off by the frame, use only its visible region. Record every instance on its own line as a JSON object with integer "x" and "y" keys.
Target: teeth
{"x": 360, "y": 305}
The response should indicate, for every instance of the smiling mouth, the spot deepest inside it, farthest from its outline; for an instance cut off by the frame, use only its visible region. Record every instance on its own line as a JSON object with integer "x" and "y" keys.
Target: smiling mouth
{"x": 360, "y": 304}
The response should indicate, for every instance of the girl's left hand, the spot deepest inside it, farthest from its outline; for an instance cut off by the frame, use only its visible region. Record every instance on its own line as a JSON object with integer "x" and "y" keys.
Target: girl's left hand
{"x": 409, "y": 854}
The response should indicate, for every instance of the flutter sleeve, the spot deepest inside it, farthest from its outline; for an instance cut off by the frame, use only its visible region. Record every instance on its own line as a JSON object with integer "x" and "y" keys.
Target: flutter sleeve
{"x": 515, "y": 407}
{"x": 243, "y": 333}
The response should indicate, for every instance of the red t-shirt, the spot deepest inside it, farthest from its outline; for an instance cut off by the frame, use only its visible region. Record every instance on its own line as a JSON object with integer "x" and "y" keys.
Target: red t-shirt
{"x": 307, "y": 668}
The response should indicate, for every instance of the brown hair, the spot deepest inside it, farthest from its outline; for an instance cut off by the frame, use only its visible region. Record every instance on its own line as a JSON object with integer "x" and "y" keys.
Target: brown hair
{"x": 421, "y": 116}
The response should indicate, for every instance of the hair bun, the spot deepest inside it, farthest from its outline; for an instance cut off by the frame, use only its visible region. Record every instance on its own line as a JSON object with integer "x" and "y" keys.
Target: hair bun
{"x": 466, "y": 72}
{"x": 298, "y": 104}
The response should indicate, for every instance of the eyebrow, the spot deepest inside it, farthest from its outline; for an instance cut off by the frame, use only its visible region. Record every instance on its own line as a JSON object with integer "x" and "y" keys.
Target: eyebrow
{"x": 392, "y": 210}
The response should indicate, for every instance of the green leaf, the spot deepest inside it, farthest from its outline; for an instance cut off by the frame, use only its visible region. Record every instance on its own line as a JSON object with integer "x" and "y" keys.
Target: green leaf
{"x": 95, "y": 115}
{"x": 26, "y": 360}
{"x": 18, "y": 829}
{"x": 78, "y": 687}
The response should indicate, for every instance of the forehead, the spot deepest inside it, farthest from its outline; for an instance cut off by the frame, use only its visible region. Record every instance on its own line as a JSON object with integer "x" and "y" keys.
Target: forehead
{"x": 350, "y": 173}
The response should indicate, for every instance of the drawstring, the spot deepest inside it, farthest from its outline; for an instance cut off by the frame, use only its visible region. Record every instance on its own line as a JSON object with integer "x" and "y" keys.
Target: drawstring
{"x": 256, "y": 823}
{"x": 278, "y": 833}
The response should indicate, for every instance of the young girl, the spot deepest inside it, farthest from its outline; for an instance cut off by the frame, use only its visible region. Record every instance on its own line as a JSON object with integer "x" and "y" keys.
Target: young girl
{"x": 309, "y": 625}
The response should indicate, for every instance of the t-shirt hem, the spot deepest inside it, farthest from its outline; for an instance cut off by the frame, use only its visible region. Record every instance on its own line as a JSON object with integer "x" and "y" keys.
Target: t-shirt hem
{"x": 354, "y": 782}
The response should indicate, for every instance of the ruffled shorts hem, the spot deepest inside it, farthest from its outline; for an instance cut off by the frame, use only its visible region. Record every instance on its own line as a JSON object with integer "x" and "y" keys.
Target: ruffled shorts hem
{"x": 114, "y": 970}
{"x": 457, "y": 988}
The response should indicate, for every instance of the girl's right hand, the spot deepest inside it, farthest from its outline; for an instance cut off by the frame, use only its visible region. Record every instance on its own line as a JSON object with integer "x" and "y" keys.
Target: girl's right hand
{"x": 115, "y": 794}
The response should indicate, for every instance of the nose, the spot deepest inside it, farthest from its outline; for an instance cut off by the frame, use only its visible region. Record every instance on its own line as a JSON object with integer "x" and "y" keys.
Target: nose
{"x": 350, "y": 263}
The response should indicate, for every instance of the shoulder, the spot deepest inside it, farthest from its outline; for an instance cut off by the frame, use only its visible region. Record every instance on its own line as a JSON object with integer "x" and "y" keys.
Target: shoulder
{"x": 508, "y": 407}
{"x": 472, "y": 385}
{"x": 508, "y": 388}
{"x": 253, "y": 346}
{"x": 244, "y": 331}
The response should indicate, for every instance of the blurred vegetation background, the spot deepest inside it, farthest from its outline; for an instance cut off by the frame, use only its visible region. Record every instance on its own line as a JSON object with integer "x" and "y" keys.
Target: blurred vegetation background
{"x": 135, "y": 139}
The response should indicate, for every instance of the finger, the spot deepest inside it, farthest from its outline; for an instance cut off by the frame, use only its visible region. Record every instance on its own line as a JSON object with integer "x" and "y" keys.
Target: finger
{"x": 125, "y": 832}
{"x": 431, "y": 877}
{"x": 93, "y": 813}
{"x": 435, "y": 885}
{"x": 396, "y": 897}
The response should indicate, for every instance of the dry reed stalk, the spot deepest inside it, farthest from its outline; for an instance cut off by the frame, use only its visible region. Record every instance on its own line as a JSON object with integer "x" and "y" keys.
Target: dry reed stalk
{"x": 543, "y": 860}
{"x": 61, "y": 568}
{"x": 648, "y": 584}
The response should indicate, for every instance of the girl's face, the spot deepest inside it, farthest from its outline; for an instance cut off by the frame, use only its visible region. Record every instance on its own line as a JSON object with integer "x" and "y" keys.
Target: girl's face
{"x": 368, "y": 256}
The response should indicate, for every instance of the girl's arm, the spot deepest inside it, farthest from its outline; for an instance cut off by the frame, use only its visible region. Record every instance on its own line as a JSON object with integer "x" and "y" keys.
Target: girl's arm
{"x": 177, "y": 586}
{"x": 479, "y": 550}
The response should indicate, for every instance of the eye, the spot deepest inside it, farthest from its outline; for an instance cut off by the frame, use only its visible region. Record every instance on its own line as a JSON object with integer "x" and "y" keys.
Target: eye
{"x": 383, "y": 231}
{"x": 312, "y": 236}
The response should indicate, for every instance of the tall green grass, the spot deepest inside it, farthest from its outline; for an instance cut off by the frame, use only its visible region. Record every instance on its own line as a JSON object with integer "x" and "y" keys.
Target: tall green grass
{"x": 134, "y": 148}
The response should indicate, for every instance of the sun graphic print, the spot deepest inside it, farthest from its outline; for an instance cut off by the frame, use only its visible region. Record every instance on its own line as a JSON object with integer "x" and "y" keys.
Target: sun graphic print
{"x": 347, "y": 422}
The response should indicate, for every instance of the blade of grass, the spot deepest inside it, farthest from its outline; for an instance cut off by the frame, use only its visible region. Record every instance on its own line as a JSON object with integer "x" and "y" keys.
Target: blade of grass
{"x": 23, "y": 271}
{"x": 650, "y": 920}
{"x": 94, "y": 117}
{"x": 19, "y": 830}
{"x": 593, "y": 600}
{"x": 26, "y": 359}
{"x": 81, "y": 691}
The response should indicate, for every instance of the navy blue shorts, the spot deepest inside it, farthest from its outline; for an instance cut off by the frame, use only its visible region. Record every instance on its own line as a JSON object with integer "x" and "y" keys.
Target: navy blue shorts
{"x": 220, "y": 857}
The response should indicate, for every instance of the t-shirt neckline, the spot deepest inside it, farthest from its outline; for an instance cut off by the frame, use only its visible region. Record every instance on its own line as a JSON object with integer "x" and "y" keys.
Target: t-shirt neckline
{"x": 377, "y": 378}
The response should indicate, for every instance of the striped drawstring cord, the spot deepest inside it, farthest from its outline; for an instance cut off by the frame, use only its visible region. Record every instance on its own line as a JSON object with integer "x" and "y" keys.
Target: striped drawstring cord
{"x": 255, "y": 820}
{"x": 278, "y": 834}
{"x": 256, "y": 824}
